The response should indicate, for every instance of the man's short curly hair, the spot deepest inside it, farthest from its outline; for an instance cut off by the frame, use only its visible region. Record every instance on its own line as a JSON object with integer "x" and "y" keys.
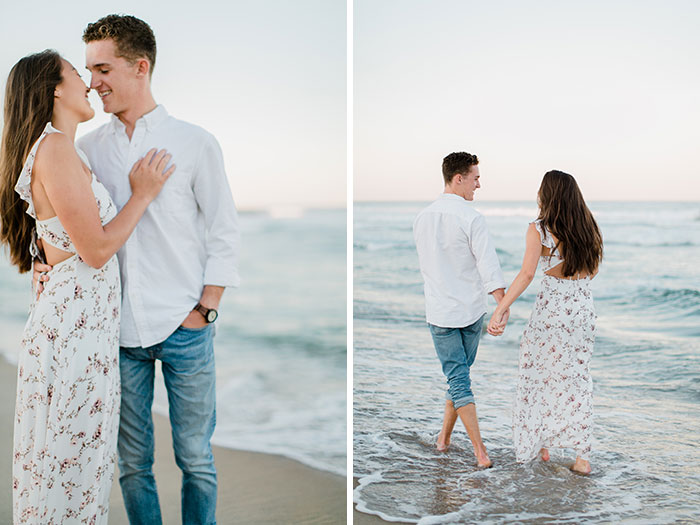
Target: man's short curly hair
{"x": 133, "y": 37}
{"x": 457, "y": 163}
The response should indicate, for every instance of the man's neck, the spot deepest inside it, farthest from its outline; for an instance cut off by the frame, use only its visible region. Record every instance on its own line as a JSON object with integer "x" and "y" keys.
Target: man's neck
{"x": 448, "y": 189}
{"x": 135, "y": 112}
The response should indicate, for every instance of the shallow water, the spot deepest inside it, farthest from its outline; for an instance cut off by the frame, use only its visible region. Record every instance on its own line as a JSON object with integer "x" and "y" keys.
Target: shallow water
{"x": 645, "y": 368}
{"x": 280, "y": 344}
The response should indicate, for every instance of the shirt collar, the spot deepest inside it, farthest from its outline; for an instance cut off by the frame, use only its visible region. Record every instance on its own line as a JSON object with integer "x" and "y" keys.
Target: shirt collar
{"x": 150, "y": 119}
{"x": 452, "y": 196}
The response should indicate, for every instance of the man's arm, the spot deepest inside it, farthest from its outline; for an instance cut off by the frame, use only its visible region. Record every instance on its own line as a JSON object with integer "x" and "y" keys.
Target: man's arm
{"x": 222, "y": 240}
{"x": 486, "y": 259}
{"x": 487, "y": 263}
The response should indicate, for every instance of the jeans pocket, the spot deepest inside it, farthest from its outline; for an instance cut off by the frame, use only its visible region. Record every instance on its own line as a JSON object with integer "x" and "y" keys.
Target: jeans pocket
{"x": 195, "y": 330}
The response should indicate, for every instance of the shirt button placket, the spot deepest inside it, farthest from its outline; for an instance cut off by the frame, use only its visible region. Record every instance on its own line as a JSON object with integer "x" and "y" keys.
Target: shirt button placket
{"x": 133, "y": 269}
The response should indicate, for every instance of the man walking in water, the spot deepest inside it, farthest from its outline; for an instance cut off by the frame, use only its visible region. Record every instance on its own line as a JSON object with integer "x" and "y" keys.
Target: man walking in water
{"x": 458, "y": 263}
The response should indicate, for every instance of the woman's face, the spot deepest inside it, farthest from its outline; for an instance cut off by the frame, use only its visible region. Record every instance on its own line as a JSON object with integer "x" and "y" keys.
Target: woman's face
{"x": 72, "y": 93}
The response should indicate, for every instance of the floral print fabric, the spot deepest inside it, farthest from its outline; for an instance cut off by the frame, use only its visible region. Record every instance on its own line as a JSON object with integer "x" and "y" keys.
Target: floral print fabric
{"x": 554, "y": 397}
{"x": 68, "y": 390}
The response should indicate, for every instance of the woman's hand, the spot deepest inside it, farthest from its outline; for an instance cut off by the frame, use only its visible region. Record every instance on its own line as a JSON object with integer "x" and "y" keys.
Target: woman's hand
{"x": 149, "y": 174}
{"x": 498, "y": 321}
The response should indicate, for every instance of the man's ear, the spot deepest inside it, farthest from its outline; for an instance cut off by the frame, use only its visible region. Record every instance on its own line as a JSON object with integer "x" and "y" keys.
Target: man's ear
{"x": 143, "y": 67}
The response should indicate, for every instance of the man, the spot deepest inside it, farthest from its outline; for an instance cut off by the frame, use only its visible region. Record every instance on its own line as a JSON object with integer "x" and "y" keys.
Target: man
{"x": 174, "y": 268}
{"x": 458, "y": 263}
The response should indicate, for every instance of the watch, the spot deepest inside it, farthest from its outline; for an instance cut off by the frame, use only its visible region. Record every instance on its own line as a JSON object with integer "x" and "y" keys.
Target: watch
{"x": 209, "y": 314}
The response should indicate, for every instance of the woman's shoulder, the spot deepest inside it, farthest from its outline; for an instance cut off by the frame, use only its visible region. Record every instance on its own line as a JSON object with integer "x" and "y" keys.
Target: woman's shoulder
{"x": 546, "y": 237}
{"x": 55, "y": 150}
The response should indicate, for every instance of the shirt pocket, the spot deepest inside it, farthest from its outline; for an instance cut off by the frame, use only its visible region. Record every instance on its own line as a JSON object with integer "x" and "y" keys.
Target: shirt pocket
{"x": 175, "y": 198}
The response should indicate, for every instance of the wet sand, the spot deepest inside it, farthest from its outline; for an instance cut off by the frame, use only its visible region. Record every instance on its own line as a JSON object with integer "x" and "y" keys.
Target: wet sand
{"x": 253, "y": 488}
{"x": 360, "y": 518}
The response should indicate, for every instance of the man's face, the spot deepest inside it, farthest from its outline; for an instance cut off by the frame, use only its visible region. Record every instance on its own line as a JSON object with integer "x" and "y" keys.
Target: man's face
{"x": 114, "y": 78}
{"x": 469, "y": 183}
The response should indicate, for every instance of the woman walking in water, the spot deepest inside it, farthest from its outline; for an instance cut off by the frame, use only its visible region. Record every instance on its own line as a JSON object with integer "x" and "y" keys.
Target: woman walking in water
{"x": 553, "y": 404}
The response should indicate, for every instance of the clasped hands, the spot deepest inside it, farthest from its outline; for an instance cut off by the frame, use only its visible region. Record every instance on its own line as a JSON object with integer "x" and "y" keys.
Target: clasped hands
{"x": 498, "y": 321}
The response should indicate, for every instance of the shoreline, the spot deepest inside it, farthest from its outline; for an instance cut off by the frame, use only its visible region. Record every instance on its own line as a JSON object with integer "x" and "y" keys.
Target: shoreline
{"x": 253, "y": 487}
{"x": 361, "y": 518}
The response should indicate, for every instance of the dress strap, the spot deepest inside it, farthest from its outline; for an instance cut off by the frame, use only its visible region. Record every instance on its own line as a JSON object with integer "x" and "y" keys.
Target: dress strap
{"x": 24, "y": 182}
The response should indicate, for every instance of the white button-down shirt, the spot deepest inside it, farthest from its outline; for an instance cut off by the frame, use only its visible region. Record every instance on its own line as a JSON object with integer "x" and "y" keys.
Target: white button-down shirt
{"x": 189, "y": 235}
{"x": 457, "y": 260}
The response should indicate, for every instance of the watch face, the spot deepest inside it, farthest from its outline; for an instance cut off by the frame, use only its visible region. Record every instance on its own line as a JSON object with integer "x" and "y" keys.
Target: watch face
{"x": 212, "y": 315}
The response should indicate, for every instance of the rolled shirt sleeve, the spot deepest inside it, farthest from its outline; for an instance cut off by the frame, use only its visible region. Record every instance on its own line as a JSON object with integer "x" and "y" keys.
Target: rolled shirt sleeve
{"x": 214, "y": 199}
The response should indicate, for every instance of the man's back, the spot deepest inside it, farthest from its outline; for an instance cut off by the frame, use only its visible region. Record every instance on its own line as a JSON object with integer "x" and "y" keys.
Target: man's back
{"x": 457, "y": 261}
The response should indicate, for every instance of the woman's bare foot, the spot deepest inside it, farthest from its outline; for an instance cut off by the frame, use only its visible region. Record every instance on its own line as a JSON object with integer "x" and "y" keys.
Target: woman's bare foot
{"x": 544, "y": 454}
{"x": 482, "y": 458}
{"x": 442, "y": 443}
{"x": 581, "y": 466}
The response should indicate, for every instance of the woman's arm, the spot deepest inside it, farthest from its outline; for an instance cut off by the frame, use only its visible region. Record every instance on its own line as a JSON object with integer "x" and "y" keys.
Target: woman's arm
{"x": 533, "y": 249}
{"x": 60, "y": 172}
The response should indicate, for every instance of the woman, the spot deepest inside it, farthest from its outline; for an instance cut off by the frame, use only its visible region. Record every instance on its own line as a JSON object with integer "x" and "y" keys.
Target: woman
{"x": 553, "y": 403}
{"x": 67, "y": 408}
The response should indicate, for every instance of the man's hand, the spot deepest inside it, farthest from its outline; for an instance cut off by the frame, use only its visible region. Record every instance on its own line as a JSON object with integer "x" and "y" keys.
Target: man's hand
{"x": 39, "y": 276}
{"x": 194, "y": 320}
{"x": 211, "y": 296}
{"x": 498, "y": 322}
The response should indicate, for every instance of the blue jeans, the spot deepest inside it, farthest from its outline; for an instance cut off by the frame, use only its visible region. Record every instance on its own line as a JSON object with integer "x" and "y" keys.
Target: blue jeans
{"x": 456, "y": 349}
{"x": 187, "y": 358}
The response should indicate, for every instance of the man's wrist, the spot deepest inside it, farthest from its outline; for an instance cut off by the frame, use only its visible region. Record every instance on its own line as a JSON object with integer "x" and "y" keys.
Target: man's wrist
{"x": 210, "y": 314}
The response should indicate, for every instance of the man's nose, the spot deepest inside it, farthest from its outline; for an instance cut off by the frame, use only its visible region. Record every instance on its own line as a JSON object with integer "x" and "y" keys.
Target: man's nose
{"x": 93, "y": 82}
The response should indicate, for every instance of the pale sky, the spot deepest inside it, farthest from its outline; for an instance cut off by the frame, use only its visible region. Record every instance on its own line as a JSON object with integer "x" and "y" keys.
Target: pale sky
{"x": 608, "y": 91}
{"x": 266, "y": 77}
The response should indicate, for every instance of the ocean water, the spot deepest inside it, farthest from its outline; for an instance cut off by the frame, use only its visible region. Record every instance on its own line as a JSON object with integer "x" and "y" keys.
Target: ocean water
{"x": 645, "y": 369}
{"x": 280, "y": 341}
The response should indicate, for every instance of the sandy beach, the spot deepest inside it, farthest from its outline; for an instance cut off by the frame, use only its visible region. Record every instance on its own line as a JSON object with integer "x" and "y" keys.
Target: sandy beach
{"x": 253, "y": 487}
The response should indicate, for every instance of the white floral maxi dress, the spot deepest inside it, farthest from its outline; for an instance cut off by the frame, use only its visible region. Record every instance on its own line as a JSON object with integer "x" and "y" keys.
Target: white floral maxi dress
{"x": 68, "y": 389}
{"x": 554, "y": 398}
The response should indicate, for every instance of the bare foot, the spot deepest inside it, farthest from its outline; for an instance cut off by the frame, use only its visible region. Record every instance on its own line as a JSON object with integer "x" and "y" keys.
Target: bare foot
{"x": 482, "y": 458}
{"x": 581, "y": 466}
{"x": 544, "y": 454}
{"x": 442, "y": 444}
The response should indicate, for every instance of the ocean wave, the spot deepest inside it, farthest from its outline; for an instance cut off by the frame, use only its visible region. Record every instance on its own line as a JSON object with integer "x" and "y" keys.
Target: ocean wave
{"x": 507, "y": 212}
{"x": 370, "y": 311}
{"x": 680, "y": 244}
{"x": 383, "y": 246}
{"x": 667, "y": 296}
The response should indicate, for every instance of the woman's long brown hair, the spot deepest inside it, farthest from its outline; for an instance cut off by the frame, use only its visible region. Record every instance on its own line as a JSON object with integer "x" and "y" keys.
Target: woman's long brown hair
{"x": 565, "y": 214}
{"x": 29, "y": 97}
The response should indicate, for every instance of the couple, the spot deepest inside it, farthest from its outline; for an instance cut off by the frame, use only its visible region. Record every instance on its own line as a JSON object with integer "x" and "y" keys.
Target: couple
{"x": 136, "y": 252}
{"x": 553, "y": 404}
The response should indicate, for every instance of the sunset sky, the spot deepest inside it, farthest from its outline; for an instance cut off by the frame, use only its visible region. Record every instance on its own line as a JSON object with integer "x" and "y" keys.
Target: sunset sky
{"x": 606, "y": 91}
{"x": 267, "y": 78}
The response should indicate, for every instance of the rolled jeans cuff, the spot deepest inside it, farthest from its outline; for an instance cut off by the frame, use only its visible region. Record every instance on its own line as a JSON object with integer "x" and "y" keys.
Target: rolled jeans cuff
{"x": 461, "y": 402}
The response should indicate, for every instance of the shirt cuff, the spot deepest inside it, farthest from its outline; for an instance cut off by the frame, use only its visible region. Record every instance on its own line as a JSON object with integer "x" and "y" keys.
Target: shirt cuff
{"x": 492, "y": 286}
{"x": 221, "y": 274}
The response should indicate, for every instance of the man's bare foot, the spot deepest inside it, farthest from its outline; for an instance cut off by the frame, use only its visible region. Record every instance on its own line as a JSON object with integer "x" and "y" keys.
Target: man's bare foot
{"x": 581, "y": 466}
{"x": 544, "y": 454}
{"x": 442, "y": 444}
